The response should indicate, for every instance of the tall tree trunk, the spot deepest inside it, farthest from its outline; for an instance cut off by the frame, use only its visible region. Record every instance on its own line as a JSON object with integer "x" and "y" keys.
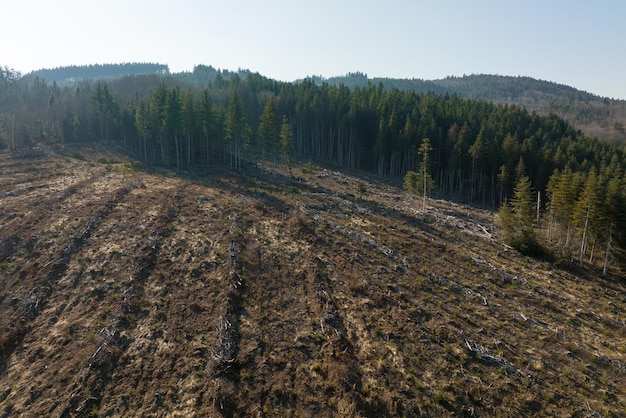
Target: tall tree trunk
{"x": 607, "y": 252}
{"x": 583, "y": 241}
{"x": 188, "y": 149}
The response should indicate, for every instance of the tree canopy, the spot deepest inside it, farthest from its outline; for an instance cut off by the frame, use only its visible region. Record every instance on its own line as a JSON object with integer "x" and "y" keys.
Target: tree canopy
{"x": 211, "y": 116}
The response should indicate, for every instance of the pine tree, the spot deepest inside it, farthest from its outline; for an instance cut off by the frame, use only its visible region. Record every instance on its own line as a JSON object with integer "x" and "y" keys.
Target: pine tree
{"x": 188, "y": 123}
{"x": 411, "y": 182}
{"x": 563, "y": 191}
{"x": 503, "y": 179}
{"x": 614, "y": 215}
{"x": 587, "y": 213}
{"x": 206, "y": 123}
{"x": 173, "y": 126}
{"x": 107, "y": 108}
{"x": 427, "y": 182}
{"x": 269, "y": 130}
{"x": 142, "y": 125}
{"x": 237, "y": 130}
{"x": 285, "y": 141}
{"x": 517, "y": 219}
{"x": 158, "y": 112}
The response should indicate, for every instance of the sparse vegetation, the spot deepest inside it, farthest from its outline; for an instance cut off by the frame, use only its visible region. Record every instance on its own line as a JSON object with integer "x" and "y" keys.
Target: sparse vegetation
{"x": 135, "y": 293}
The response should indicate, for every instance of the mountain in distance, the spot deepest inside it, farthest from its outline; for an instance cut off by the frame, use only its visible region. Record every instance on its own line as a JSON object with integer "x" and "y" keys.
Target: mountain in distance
{"x": 128, "y": 288}
{"x": 596, "y": 116}
{"x": 97, "y": 71}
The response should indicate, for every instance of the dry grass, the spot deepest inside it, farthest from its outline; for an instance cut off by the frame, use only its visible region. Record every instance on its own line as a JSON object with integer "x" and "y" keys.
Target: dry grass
{"x": 128, "y": 293}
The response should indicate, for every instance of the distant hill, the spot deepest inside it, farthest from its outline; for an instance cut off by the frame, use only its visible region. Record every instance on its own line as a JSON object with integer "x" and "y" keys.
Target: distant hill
{"x": 594, "y": 115}
{"x": 77, "y": 72}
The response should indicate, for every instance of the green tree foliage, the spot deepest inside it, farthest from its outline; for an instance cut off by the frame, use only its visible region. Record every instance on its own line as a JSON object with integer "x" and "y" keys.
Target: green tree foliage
{"x": 211, "y": 116}
{"x": 188, "y": 124}
{"x": 613, "y": 227}
{"x": 587, "y": 215}
{"x": 237, "y": 130}
{"x": 285, "y": 141}
{"x": 107, "y": 108}
{"x": 517, "y": 219}
{"x": 173, "y": 125}
{"x": 427, "y": 183}
{"x": 96, "y": 71}
{"x": 421, "y": 182}
{"x": 143, "y": 128}
{"x": 269, "y": 129}
{"x": 412, "y": 182}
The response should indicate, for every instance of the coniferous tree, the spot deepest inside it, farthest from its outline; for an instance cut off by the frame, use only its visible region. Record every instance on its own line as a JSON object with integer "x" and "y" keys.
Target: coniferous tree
{"x": 269, "y": 130}
{"x": 237, "y": 130}
{"x": 142, "y": 125}
{"x": 158, "y": 113}
{"x": 173, "y": 126}
{"x": 475, "y": 144}
{"x": 503, "y": 179}
{"x": 563, "y": 190}
{"x": 285, "y": 141}
{"x": 188, "y": 123}
{"x": 614, "y": 219}
{"x": 412, "y": 182}
{"x": 587, "y": 213}
{"x": 106, "y": 106}
{"x": 427, "y": 182}
{"x": 517, "y": 219}
{"x": 206, "y": 120}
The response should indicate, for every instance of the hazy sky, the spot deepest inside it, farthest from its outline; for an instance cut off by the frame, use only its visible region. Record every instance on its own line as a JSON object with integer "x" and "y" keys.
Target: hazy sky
{"x": 581, "y": 43}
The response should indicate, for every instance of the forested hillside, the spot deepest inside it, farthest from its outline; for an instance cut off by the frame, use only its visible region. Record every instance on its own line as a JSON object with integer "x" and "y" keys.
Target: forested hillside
{"x": 594, "y": 115}
{"x": 302, "y": 292}
{"x": 477, "y": 150}
{"x": 218, "y": 243}
{"x": 97, "y": 71}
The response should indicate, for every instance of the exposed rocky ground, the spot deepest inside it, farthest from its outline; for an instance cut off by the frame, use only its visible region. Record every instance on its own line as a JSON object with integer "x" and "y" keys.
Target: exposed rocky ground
{"x": 125, "y": 292}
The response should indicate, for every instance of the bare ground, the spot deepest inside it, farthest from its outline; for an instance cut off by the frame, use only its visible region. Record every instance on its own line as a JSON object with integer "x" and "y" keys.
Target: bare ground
{"x": 133, "y": 293}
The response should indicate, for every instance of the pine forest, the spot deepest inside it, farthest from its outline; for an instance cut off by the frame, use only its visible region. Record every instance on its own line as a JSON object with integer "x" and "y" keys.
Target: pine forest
{"x": 556, "y": 187}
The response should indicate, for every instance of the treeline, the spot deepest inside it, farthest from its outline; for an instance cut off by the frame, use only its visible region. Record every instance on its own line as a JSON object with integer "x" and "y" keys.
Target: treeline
{"x": 236, "y": 118}
{"x": 489, "y": 87}
{"x": 78, "y": 72}
{"x": 596, "y": 116}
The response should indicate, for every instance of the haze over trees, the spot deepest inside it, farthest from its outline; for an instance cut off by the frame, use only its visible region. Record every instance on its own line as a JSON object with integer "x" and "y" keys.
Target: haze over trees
{"x": 474, "y": 148}
{"x": 77, "y": 72}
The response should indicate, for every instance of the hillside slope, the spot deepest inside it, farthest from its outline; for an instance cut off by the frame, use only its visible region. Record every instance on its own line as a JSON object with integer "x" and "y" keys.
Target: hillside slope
{"x": 596, "y": 116}
{"x": 124, "y": 292}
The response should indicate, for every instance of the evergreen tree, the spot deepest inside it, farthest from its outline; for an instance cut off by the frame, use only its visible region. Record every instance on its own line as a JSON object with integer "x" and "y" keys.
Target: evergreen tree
{"x": 285, "y": 141}
{"x": 587, "y": 214}
{"x": 426, "y": 181}
{"x": 412, "y": 182}
{"x": 614, "y": 215}
{"x": 563, "y": 190}
{"x": 188, "y": 126}
{"x": 142, "y": 125}
{"x": 206, "y": 116}
{"x": 269, "y": 130}
{"x": 517, "y": 219}
{"x": 106, "y": 106}
{"x": 503, "y": 179}
{"x": 158, "y": 112}
{"x": 173, "y": 126}
{"x": 237, "y": 130}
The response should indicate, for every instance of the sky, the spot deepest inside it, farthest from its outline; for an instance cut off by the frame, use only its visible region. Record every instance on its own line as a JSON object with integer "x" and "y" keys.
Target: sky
{"x": 581, "y": 43}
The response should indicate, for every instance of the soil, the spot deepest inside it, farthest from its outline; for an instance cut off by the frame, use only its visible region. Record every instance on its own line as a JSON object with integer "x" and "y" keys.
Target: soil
{"x": 127, "y": 291}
